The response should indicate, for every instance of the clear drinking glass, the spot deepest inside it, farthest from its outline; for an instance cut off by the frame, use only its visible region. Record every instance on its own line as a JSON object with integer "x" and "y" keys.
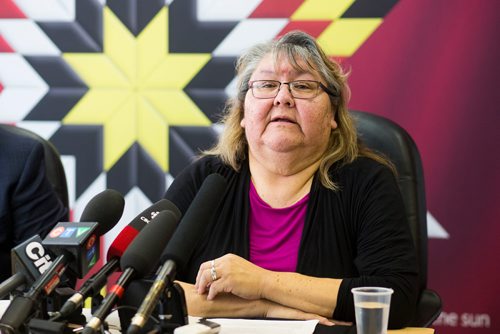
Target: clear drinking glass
{"x": 371, "y": 306}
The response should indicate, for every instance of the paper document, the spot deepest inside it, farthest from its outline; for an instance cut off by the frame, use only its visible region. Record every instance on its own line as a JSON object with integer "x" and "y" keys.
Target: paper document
{"x": 246, "y": 326}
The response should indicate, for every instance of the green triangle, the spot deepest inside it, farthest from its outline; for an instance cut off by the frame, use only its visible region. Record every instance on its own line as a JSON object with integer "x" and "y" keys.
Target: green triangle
{"x": 93, "y": 261}
{"x": 82, "y": 230}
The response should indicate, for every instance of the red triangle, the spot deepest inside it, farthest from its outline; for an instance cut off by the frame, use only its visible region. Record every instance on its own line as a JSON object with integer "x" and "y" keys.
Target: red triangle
{"x": 313, "y": 28}
{"x": 276, "y": 8}
{"x": 8, "y": 10}
{"x": 4, "y": 46}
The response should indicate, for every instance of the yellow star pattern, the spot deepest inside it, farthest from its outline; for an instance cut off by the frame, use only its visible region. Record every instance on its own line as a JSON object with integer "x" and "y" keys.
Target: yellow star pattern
{"x": 136, "y": 89}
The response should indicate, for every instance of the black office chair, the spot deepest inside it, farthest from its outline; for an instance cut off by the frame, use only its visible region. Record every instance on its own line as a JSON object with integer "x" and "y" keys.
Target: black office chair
{"x": 388, "y": 138}
{"x": 53, "y": 164}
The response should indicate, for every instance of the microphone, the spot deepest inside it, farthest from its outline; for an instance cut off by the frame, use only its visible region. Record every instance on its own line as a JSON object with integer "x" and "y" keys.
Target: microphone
{"x": 103, "y": 211}
{"x": 73, "y": 242}
{"x": 181, "y": 246}
{"x": 95, "y": 283}
{"x": 29, "y": 260}
{"x": 138, "y": 260}
{"x": 123, "y": 240}
{"x": 22, "y": 306}
{"x": 105, "y": 208}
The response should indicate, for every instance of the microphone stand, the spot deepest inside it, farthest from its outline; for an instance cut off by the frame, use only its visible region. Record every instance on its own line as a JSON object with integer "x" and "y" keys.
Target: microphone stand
{"x": 173, "y": 308}
{"x": 170, "y": 309}
{"x": 44, "y": 324}
{"x": 171, "y": 312}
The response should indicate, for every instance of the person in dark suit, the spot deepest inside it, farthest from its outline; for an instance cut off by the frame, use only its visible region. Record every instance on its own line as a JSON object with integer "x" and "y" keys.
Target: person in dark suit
{"x": 28, "y": 203}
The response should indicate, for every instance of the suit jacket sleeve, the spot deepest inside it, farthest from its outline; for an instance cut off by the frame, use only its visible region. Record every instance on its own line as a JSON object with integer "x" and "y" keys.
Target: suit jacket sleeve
{"x": 35, "y": 206}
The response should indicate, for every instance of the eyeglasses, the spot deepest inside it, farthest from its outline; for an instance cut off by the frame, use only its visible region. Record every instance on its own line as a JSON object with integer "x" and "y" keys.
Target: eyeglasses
{"x": 300, "y": 89}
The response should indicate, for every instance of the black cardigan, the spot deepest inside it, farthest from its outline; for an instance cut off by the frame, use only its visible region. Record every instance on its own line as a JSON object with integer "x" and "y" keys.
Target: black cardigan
{"x": 359, "y": 233}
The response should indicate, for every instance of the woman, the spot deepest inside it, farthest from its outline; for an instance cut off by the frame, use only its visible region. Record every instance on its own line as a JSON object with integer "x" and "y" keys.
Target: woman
{"x": 309, "y": 212}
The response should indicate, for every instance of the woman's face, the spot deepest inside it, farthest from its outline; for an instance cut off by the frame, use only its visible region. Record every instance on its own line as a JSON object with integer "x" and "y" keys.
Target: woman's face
{"x": 286, "y": 124}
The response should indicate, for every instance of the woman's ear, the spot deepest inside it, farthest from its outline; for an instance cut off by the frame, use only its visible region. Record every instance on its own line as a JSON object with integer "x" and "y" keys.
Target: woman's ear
{"x": 333, "y": 124}
{"x": 242, "y": 122}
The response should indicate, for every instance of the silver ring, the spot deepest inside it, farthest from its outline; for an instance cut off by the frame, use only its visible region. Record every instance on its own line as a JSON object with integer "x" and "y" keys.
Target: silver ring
{"x": 213, "y": 273}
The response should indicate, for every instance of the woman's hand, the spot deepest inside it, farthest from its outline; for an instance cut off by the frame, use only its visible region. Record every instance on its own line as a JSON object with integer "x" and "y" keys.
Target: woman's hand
{"x": 225, "y": 305}
{"x": 231, "y": 274}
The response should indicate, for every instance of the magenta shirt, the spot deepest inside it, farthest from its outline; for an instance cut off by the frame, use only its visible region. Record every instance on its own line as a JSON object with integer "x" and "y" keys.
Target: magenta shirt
{"x": 275, "y": 233}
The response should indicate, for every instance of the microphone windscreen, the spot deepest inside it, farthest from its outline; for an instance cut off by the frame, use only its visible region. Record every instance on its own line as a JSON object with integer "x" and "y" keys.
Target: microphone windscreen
{"x": 105, "y": 208}
{"x": 121, "y": 242}
{"x": 145, "y": 250}
{"x": 191, "y": 228}
{"x": 125, "y": 237}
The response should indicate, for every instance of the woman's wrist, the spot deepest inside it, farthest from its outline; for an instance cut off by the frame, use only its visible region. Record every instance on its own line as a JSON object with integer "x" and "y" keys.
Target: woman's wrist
{"x": 267, "y": 283}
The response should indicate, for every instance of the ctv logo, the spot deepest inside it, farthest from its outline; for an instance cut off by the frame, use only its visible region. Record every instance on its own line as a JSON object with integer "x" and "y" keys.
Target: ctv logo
{"x": 36, "y": 253}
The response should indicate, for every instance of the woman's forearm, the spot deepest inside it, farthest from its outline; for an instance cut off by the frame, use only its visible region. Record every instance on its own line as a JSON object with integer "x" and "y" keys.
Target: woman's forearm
{"x": 306, "y": 293}
{"x": 229, "y": 305}
{"x": 241, "y": 278}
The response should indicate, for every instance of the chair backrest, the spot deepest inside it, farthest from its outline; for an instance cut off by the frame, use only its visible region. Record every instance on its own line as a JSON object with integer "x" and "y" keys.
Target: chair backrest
{"x": 391, "y": 140}
{"x": 388, "y": 138}
{"x": 53, "y": 164}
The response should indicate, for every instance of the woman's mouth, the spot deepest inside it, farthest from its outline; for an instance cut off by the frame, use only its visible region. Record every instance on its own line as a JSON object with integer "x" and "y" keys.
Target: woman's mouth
{"x": 282, "y": 120}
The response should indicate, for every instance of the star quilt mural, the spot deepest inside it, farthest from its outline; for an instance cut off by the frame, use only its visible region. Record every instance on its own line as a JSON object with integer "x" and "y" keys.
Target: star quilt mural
{"x": 128, "y": 91}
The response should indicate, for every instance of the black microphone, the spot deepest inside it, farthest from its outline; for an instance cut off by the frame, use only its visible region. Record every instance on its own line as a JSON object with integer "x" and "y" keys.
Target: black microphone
{"x": 29, "y": 260}
{"x": 23, "y": 306}
{"x": 139, "y": 259}
{"x": 105, "y": 208}
{"x": 103, "y": 211}
{"x": 95, "y": 283}
{"x": 123, "y": 240}
{"x": 77, "y": 245}
{"x": 182, "y": 244}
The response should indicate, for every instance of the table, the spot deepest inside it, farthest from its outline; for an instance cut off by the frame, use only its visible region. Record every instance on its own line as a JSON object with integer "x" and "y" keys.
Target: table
{"x": 320, "y": 329}
{"x": 412, "y": 330}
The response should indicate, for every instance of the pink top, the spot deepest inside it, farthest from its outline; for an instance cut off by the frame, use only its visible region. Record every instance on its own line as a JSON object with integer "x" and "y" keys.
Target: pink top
{"x": 275, "y": 233}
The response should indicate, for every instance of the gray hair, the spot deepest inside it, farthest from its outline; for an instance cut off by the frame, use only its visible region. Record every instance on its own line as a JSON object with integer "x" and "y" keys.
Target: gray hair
{"x": 300, "y": 49}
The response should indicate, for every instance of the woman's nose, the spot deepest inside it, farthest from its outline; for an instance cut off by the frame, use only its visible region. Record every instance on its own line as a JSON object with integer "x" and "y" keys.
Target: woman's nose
{"x": 284, "y": 96}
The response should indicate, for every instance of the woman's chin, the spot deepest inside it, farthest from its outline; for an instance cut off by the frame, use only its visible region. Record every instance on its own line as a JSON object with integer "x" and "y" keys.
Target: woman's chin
{"x": 283, "y": 145}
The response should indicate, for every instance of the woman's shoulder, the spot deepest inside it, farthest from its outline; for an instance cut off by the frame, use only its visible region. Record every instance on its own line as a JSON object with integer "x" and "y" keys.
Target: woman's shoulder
{"x": 196, "y": 172}
{"x": 187, "y": 183}
{"x": 361, "y": 165}
{"x": 362, "y": 171}
{"x": 209, "y": 164}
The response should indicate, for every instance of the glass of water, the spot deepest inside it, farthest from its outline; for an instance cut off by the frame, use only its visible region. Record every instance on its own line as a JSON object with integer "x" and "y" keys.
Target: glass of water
{"x": 371, "y": 305}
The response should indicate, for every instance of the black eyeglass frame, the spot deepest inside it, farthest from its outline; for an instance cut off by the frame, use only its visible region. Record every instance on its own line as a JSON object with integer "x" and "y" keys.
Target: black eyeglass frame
{"x": 320, "y": 85}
